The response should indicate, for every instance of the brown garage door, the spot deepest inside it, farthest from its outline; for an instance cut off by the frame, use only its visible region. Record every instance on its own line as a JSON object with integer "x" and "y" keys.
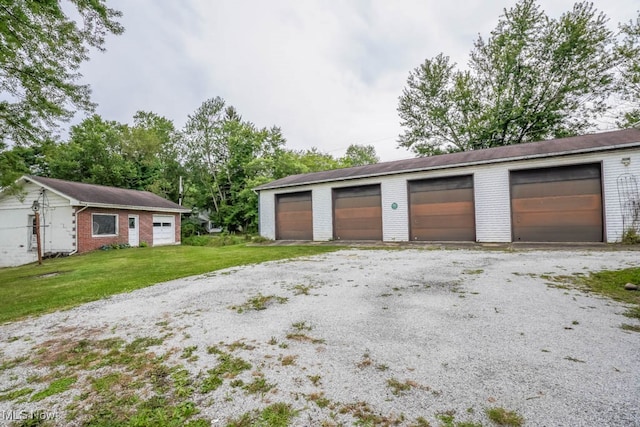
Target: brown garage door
{"x": 442, "y": 209}
{"x": 357, "y": 213}
{"x": 294, "y": 219}
{"x": 562, "y": 204}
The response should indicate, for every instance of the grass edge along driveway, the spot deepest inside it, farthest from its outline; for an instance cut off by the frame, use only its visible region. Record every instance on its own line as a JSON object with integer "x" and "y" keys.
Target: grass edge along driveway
{"x": 68, "y": 282}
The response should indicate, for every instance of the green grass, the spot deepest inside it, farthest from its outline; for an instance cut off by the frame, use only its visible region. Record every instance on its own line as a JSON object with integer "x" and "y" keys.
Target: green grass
{"x": 15, "y": 394}
{"x": 67, "y": 282}
{"x": 58, "y": 386}
{"x": 611, "y": 283}
{"x": 275, "y": 415}
{"x": 504, "y": 417}
{"x": 258, "y": 302}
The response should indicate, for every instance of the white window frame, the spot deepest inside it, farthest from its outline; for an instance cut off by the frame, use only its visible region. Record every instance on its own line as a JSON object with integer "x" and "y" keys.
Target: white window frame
{"x": 116, "y": 218}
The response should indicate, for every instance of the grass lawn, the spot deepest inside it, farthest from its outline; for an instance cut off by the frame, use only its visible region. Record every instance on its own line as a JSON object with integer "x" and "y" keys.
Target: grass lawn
{"x": 68, "y": 282}
{"x": 611, "y": 284}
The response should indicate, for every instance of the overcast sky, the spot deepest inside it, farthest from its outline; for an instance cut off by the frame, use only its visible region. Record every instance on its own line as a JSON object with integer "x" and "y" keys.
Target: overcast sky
{"x": 329, "y": 73}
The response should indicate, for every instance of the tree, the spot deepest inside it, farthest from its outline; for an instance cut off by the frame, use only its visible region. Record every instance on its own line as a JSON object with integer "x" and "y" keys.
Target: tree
{"x": 227, "y": 157}
{"x": 152, "y": 144}
{"x": 629, "y": 82}
{"x": 359, "y": 155}
{"x": 94, "y": 154}
{"x": 22, "y": 160}
{"x": 139, "y": 157}
{"x": 534, "y": 78}
{"x": 41, "y": 50}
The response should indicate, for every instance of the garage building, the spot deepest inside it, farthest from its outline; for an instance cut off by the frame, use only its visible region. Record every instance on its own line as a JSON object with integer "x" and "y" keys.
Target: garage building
{"x": 577, "y": 189}
{"x": 74, "y": 217}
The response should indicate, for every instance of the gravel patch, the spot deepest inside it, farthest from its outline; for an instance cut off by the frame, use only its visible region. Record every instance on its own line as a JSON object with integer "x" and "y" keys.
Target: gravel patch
{"x": 392, "y": 334}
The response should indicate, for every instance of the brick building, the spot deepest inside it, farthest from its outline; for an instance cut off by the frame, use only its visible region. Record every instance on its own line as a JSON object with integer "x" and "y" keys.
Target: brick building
{"x": 77, "y": 217}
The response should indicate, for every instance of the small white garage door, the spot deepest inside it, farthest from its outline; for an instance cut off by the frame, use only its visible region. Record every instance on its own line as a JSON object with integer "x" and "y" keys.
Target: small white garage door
{"x": 164, "y": 230}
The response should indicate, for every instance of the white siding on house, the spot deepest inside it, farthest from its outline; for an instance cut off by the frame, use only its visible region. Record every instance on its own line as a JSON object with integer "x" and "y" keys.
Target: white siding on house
{"x": 492, "y": 204}
{"x": 395, "y": 222}
{"x": 56, "y": 220}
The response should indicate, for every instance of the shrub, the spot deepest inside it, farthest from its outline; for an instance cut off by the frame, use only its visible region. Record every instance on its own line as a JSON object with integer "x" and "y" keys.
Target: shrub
{"x": 631, "y": 237}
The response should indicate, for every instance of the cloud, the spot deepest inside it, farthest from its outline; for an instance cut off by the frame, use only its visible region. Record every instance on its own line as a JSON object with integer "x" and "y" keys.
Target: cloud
{"x": 328, "y": 73}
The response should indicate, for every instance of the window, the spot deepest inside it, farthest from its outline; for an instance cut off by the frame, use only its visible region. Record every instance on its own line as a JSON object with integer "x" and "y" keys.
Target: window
{"x": 105, "y": 224}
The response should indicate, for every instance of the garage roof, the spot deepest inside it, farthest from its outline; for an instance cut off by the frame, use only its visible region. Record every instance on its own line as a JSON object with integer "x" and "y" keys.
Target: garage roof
{"x": 81, "y": 194}
{"x": 612, "y": 140}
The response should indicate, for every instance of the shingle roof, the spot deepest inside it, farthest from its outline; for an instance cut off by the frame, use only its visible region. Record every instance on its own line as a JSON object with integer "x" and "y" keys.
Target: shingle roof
{"x": 556, "y": 147}
{"x": 100, "y": 195}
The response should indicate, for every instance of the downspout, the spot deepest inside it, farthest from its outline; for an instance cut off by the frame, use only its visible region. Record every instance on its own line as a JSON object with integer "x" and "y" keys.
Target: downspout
{"x": 75, "y": 251}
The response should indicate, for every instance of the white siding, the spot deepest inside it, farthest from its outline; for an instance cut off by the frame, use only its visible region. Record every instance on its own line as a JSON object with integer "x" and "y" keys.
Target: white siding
{"x": 57, "y": 226}
{"x": 492, "y": 205}
{"x": 322, "y": 203}
{"x": 491, "y": 192}
{"x": 267, "y": 214}
{"x": 395, "y": 222}
{"x": 613, "y": 168}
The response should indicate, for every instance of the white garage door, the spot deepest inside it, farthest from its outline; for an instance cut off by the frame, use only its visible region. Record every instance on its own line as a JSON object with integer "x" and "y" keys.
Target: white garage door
{"x": 164, "y": 230}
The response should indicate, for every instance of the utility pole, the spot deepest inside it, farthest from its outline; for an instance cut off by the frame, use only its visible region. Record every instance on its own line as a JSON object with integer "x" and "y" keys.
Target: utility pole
{"x": 36, "y": 208}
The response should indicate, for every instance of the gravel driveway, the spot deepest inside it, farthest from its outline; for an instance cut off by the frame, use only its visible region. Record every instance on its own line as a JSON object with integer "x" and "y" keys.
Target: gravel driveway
{"x": 375, "y": 337}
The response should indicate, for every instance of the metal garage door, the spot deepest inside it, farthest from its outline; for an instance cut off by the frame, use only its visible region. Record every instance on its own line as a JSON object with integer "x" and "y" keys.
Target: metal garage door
{"x": 357, "y": 213}
{"x": 164, "y": 230}
{"x": 294, "y": 219}
{"x": 442, "y": 209}
{"x": 561, "y": 204}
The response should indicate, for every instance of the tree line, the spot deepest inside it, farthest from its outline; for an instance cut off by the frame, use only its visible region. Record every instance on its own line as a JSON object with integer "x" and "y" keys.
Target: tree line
{"x": 220, "y": 156}
{"x": 535, "y": 77}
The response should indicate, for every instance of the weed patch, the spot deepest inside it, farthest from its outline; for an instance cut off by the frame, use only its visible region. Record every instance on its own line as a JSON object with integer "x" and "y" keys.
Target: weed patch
{"x": 297, "y": 336}
{"x": 113, "y": 397}
{"x": 628, "y": 327}
{"x": 319, "y": 399}
{"x": 187, "y": 353}
{"x": 259, "y": 302}
{"x": 398, "y": 388}
{"x": 16, "y": 394}
{"x": 259, "y": 385}
{"x": 609, "y": 283}
{"x": 288, "y": 360}
{"x": 57, "y": 386}
{"x": 504, "y": 417}
{"x": 302, "y": 289}
{"x": 240, "y": 345}
{"x": 366, "y": 416}
{"x": 228, "y": 367}
{"x": 275, "y": 415}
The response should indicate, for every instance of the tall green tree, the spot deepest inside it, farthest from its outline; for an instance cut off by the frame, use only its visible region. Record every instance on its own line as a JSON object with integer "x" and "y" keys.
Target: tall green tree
{"x": 143, "y": 156}
{"x": 41, "y": 50}
{"x": 227, "y": 156}
{"x": 629, "y": 81}
{"x": 535, "y": 77}
{"x": 94, "y": 154}
{"x": 25, "y": 160}
{"x": 153, "y": 145}
{"x": 359, "y": 155}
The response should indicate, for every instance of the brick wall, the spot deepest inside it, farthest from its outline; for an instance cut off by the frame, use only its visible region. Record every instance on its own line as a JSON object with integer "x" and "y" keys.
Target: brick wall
{"x": 87, "y": 242}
